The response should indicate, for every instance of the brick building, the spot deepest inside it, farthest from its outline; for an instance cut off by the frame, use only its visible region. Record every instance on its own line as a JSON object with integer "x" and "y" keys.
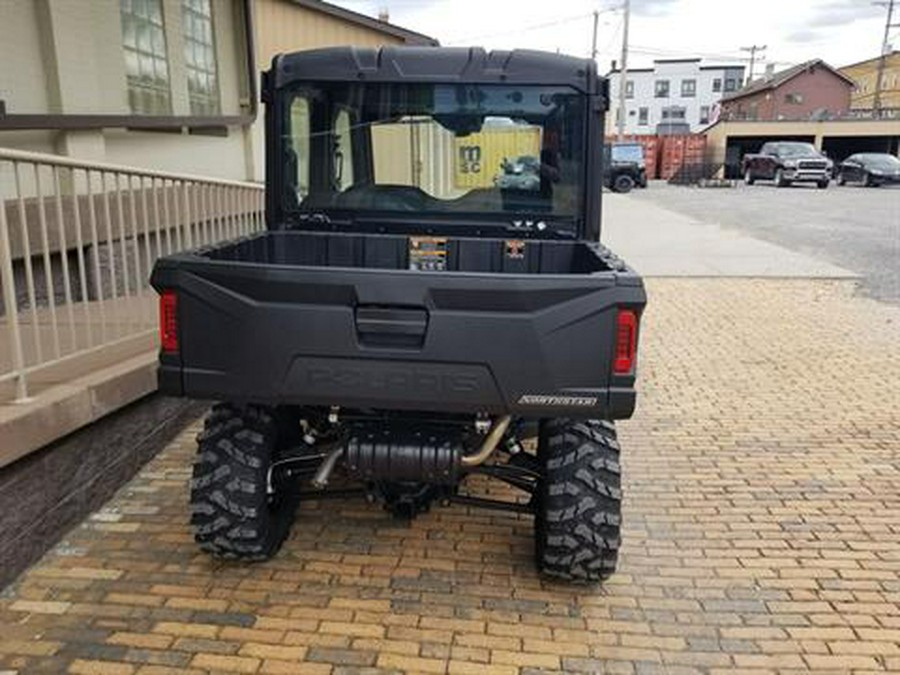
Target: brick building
{"x": 810, "y": 90}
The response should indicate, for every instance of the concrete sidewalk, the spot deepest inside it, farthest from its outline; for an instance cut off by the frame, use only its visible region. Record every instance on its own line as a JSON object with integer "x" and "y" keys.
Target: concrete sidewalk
{"x": 658, "y": 242}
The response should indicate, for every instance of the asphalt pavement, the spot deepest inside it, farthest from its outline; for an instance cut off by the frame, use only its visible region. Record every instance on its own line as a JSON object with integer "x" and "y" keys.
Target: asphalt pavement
{"x": 853, "y": 228}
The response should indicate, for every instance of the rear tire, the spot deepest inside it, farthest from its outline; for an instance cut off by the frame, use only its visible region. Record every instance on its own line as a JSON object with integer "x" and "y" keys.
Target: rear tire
{"x": 232, "y": 514}
{"x": 623, "y": 184}
{"x": 578, "y": 518}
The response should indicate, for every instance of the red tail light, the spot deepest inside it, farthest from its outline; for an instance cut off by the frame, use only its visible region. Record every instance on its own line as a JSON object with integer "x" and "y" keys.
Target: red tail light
{"x": 626, "y": 342}
{"x": 168, "y": 321}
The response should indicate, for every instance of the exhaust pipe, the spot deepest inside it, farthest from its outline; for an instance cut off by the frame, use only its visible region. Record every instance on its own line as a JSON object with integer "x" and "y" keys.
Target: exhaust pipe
{"x": 385, "y": 460}
{"x": 323, "y": 473}
{"x": 489, "y": 444}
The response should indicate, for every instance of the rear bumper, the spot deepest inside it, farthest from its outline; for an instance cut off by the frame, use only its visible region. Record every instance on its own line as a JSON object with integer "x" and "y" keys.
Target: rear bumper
{"x": 399, "y": 386}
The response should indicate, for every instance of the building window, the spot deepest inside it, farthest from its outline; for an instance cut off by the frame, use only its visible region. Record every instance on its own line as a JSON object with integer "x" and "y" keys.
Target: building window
{"x": 661, "y": 89}
{"x": 704, "y": 114}
{"x": 730, "y": 84}
{"x": 795, "y": 99}
{"x": 717, "y": 84}
{"x": 643, "y": 116}
{"x": 200, "y": 57}
{"x": 146, "y": 63}
{"x": 673, "y": 113}
{"x": 688, "y": 88}
{"x": 629, "y": 89}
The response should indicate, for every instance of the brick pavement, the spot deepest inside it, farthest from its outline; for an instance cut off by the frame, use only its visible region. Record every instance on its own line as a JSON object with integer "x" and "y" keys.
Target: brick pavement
{"x": 762, "y": 533}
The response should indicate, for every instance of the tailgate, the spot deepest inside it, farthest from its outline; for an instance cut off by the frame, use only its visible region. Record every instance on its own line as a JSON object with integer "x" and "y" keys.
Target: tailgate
{"x": 530, "y": 345}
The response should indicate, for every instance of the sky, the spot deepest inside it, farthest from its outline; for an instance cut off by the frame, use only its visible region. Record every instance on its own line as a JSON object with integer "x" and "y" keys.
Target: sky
{"x": 839, "y": 31}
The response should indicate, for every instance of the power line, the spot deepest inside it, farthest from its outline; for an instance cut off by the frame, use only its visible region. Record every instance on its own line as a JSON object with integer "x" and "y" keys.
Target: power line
{"x": 882, "y": 61}
{"x": 624, "y": 71}
{"x": 752, "y": 49}
{"x": 523, "y": 29}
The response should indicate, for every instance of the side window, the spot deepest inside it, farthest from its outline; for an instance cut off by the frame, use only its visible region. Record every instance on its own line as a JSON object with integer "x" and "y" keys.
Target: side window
{"x": 300, "y": 146}
{"x": 343, "y": 151}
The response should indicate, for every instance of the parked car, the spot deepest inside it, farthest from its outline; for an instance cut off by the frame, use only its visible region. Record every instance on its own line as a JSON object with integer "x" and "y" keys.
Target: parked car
{"x": 624, "y": 167}
{"x": 406, "y": 340}
{"x": 787, "y": 162}
{"x": 870, "y": 169}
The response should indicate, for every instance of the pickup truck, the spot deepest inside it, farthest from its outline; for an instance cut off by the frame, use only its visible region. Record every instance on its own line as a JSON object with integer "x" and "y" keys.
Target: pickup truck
{"x": 406, "y": 322}
{"x": 787, "y": 162}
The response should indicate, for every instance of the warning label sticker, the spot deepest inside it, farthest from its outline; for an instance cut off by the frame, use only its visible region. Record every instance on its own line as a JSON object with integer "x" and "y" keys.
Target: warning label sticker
{"x": 428, "y": 254}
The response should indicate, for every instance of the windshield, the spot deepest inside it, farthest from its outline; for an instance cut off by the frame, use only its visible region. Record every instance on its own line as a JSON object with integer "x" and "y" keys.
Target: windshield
{"x": 796, "y": 150}
{"x": 628, "y": 153}
{"x": 434, "y": 149}
{"x": 879, "y": 161}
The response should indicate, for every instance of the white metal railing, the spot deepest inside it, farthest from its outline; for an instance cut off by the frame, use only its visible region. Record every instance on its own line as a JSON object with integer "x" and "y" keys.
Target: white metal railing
{"x": 77, "y": 242}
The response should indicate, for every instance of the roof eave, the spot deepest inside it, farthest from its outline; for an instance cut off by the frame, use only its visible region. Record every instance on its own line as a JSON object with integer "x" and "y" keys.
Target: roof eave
{"x": 408, "y": 36}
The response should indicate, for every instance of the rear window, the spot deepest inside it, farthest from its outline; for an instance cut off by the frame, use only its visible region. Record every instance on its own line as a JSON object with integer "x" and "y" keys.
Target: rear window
{"x": 628, "y": 153}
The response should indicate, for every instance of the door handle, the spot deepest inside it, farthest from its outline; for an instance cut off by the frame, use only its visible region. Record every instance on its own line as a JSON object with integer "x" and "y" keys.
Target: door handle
{"x": 391, "y": 326}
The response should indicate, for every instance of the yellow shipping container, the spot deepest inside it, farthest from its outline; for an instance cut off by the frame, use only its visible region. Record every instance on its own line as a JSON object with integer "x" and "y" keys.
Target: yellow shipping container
{"x": 478, "y": 157}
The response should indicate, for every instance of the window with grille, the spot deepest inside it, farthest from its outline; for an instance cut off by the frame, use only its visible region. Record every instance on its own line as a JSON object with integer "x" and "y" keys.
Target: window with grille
{"x": 200, "y": 57}
{"x": 661, "y": 89}
{"x": 146, "y": 63}
{"x": 688, "y": 88}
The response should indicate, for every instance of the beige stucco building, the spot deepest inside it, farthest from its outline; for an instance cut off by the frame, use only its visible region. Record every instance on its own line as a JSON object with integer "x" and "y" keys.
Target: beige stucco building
{"x": 865, "y": 74}
{"x": 161, "y": 84}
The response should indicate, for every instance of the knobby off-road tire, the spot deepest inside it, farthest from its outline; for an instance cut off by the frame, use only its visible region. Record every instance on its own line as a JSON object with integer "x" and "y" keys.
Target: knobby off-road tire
{"x": 578, "y": 518}
{"x": 233, "y": 516}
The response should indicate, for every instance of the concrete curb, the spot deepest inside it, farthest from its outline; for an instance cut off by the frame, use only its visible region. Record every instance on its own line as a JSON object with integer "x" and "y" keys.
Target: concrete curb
{"x": 64, "y": 408}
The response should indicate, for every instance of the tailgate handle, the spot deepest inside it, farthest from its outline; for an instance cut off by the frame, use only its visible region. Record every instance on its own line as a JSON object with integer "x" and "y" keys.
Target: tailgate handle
{"x": 391, "y": 326}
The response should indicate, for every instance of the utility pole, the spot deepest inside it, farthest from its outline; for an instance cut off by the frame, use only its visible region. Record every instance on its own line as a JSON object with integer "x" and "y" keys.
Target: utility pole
{"x": 882, "y": 62}
{"x": 623, "y": 73}
{"x": 752, "y": 49}
{"x": 594, "y": 39}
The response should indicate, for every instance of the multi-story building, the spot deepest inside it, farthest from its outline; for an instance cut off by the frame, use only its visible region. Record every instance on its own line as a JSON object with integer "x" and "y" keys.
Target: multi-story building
{"x": 809, "y": 90}
{"x": 865, "y": 75}
{"x": 674, "y": 96}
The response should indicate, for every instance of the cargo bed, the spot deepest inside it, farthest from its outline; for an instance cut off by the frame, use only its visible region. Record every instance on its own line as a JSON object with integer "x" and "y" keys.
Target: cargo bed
{"x": 493, "y": 325}
{"x": 399, "y": 252}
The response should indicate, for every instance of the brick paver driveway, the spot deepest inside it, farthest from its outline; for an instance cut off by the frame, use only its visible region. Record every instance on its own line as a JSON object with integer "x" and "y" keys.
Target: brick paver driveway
{"x": 762, "y": 533}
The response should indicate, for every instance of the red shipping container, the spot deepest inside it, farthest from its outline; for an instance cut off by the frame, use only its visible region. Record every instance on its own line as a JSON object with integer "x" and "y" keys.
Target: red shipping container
{"x": 679, "y": 151}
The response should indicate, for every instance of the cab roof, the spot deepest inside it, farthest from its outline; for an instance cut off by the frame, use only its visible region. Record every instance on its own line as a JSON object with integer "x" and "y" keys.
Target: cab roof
{"x": 446, "y": 65}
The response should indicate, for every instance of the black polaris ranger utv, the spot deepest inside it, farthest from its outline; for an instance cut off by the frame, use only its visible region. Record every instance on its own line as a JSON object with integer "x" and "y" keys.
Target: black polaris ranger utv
{"x": 407, "y": 321}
